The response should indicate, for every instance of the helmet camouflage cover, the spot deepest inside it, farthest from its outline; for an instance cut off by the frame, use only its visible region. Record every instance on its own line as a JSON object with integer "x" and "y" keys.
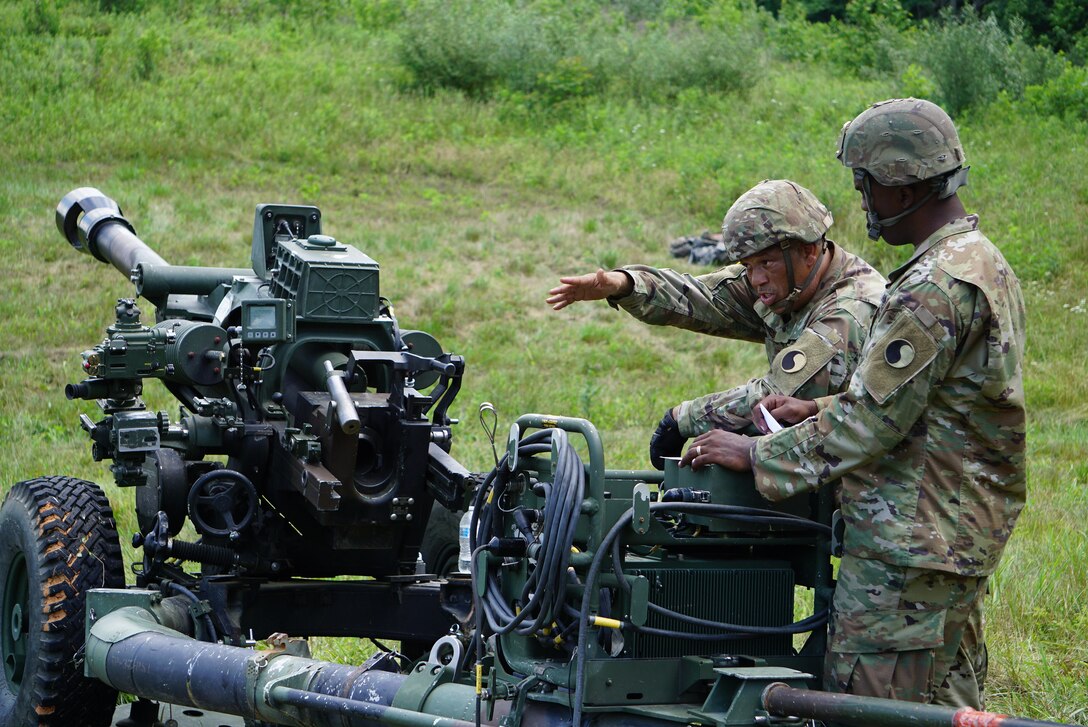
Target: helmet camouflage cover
{"x": 774, "y": 212}
{"x": 901, "y": 141}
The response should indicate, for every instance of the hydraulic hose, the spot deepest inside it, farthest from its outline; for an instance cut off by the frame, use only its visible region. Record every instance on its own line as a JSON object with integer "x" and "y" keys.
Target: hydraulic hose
{"x": 540, "y": 604}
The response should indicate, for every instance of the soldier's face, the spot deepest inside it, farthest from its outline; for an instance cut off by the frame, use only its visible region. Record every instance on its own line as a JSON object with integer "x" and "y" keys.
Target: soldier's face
{"x": 884, "y": 202}
{"x": 767, "y": 275}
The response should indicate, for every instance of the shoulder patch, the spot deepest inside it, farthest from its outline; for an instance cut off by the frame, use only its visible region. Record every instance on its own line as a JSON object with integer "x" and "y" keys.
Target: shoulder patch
{"x": 799, "y": 362}
{"x": 897, "y": 356}
{"x": 722, "y": 276}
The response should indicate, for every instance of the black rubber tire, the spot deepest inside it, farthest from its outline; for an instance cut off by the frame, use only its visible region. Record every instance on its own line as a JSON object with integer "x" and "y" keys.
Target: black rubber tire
{"x": 58, "y": 539}
{"x": 440, "y": 546}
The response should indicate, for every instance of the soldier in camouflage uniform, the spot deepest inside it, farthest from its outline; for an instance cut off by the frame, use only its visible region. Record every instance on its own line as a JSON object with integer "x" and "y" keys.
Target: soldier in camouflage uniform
{"x": 809, "y": 301}
{"x": 929, "y": 436}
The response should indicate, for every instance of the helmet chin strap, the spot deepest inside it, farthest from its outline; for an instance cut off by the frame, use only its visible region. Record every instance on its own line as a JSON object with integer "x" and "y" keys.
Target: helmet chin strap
{"x": 874, "y": 224}
{"x": 795, "y": 290}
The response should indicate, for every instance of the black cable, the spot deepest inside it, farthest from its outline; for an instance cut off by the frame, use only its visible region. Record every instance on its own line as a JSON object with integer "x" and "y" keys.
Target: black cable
{"x": 541, "y": 601}
{"x": 209, "y": 624}
{"x": 741, "y": 632}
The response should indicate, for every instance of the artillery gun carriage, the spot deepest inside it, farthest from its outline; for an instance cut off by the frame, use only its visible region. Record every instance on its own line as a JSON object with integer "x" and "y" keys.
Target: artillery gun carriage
{"x": 311, "y": 456}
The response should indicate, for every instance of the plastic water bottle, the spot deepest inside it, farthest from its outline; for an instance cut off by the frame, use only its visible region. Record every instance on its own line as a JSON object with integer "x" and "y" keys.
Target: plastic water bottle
{"x": 464, "y": 558}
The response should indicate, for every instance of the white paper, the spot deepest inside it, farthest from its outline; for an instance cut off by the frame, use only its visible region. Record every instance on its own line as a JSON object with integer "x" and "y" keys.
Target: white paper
{"x": 772, "y": 423}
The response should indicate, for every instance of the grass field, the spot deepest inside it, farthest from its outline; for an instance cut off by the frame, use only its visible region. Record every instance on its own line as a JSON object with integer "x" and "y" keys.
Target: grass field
{"x": 474, "y": 207}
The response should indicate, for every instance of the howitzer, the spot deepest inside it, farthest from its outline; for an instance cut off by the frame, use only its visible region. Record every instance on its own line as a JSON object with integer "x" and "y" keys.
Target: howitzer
{"x": 298, "y": 372}
{"x": 594, "y": 596}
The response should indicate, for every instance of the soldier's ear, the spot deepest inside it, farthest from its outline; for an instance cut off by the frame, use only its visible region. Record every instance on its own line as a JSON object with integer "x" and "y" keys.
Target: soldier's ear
{"x": 809, "y": 252}
{"x": 907, "y": 195}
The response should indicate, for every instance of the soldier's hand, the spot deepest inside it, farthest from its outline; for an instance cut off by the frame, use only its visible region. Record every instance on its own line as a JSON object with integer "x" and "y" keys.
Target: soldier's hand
{"x": 667, "y": 441}
{"x": 728, "y": 449}
{"x": 785, "y": 409}
{"x": 592, "y": 286}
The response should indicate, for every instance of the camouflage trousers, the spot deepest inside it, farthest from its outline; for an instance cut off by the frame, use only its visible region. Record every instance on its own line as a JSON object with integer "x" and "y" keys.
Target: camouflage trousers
{"x": 906, "y": 633}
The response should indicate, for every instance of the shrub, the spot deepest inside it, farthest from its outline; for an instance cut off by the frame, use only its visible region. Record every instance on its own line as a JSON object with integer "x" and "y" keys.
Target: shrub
{"x": 971, "y": 60}
{"x": 41, "y": 18}
{"x": 661, "y": 62}
{"x": 121, "y": 6}
{"x": 150, "y": 50}
{"x": 489, "y": 47}
{"x": 473, "y": 45}
{"x": 796, "y": 39}
{"x": 1065, "y": 96}
{"x": 913, "y": 82}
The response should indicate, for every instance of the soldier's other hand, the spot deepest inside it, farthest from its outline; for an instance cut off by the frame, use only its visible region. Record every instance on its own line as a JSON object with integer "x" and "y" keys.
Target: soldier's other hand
{"x": 728, "y": 449}
{"x": 667, "y": 441}
{"x": 592, "y": 286}
{"x": 785, "y": 409}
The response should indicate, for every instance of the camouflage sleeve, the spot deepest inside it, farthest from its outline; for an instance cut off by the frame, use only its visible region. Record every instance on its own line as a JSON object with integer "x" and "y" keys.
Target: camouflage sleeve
{"x": 730, "y": 410}
{"x": 910, "y": 350}
{"x": 817, "y": 364}
{"x": 719, "y": 304}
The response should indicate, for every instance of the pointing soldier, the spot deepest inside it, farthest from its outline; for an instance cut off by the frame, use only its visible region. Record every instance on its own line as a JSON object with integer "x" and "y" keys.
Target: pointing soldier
{"x": 805, "y": 298}
{"x": 928, "y": 438}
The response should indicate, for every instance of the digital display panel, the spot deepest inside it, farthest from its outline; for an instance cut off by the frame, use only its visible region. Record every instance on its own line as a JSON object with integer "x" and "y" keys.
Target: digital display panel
{"x": 261, "y": 317}
{"x": 265, "y": 321}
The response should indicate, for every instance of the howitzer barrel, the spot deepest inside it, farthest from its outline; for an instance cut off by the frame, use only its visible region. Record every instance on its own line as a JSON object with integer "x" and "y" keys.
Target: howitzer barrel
{"x": 781, "y": 699}
{"x": 94, "y": 224}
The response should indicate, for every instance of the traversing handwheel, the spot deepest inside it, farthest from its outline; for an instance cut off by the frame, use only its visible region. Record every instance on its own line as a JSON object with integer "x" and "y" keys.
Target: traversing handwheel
{"x": 222, "y": 502}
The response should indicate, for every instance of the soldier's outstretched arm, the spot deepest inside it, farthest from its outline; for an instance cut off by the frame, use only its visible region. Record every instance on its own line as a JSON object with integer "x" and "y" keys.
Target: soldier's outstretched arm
{"x": 592, "y": 286}
{"x": 718, "y": 303}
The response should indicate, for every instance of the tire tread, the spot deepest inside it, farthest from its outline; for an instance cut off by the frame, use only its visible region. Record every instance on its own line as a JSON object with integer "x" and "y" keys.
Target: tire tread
{"x": 77, "y": 550}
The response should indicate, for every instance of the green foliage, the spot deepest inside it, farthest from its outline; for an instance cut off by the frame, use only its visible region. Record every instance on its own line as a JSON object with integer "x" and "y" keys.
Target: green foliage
{"x": 971, "y": 60}
{"x": 659, "y": 63}
{"x": 378, "y": 14}
{"x": 878, "y": 32}
{"x": 520, "y": 52}
{"x": 914, "y": 82}
{"x": 41, "y": 17}
{"x": 569, "y": 78}
{"x": 150, "y": 49}
{"x": 1064, "y": 96}
{"x": 869, "y": 40}
{"x": 121, "y": 6}
{"x": 1060, "y": 25}
{"x": 472, "y": 46}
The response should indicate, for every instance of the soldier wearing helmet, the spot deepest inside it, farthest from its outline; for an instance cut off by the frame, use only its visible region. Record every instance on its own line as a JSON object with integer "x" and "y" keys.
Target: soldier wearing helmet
{"x": 808, "y": 300}
{"x": 927, "y": 441}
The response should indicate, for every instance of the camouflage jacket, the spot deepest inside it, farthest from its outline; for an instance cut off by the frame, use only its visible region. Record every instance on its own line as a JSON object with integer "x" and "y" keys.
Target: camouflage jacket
{"x": 929, "y": 436}
{"x": 811, "y": 354}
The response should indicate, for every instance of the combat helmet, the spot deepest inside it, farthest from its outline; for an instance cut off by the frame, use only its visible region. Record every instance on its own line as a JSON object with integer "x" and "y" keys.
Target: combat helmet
{"x": 775, "y": 212}
{"x": 899, "y": 142}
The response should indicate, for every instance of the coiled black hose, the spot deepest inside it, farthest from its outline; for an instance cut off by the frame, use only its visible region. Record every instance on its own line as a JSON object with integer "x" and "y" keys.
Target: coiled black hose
{"x": 540, "y": 604}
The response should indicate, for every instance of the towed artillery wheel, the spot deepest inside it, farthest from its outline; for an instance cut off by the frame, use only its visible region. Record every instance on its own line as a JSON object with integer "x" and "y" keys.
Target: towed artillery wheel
{"x": 57, "y": 540}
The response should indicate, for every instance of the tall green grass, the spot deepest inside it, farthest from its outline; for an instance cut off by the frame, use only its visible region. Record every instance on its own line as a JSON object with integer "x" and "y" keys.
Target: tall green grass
{"x": 190, "y": 114}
